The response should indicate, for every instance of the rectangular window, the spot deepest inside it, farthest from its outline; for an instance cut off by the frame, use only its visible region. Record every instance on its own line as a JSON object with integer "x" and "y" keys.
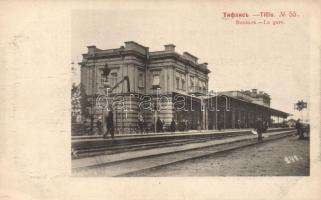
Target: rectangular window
{"x": 204, "y": 87}
{"x": 183, "y": 84}
{"x": 102, "y": 79}
{"x": 156, "y": 80}
{"x": 141, "y": 80}
{"x": 192, "y": 84}
{"x": 177, "y": 83}
{"x": 113, "y": 78}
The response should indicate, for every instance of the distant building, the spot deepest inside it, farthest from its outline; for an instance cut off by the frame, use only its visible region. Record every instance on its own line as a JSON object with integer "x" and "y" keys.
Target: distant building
{"x": 252, "y": 96}
{"x": 173, "y": 75}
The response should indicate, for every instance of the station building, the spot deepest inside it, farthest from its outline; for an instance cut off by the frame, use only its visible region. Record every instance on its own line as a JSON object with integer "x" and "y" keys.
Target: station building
{"x": 173, "y": 85}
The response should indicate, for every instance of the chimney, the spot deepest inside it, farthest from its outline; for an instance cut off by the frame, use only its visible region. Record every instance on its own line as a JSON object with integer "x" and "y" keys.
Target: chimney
{"x": 92, "y": 50}
{"x": 169, "y": 47}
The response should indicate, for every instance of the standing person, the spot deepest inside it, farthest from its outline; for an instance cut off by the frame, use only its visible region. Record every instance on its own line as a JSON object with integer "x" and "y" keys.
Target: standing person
{"x": 108, "y": 119}
{"x": 187, "y": 125}
{"x": 163, "y": 125}
{"x": 159, "y": 125}
{"x": 141, "y": 123}
{"x": 265, "y": 127}
{"x": 259, "y": 129}
{"x": 173, "y": 126}
{"x": 87, "y": 126}
{"x": 99, "y": 126}
{"x": 298, "y": 127}
{"x": 145, "y": 127}
{"x": 239, "y": 123}
{"x": 184, "y": 125}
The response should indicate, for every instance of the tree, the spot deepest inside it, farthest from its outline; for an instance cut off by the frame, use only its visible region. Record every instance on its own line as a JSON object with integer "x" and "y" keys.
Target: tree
{"x": 79, "y": 102}
{"x": 75, "y": 103}
{"x": 84, "y": 103}
{"x": 300, "y": 105}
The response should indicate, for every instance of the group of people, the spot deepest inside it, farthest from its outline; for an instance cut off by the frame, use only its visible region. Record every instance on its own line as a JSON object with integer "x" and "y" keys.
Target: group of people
{"x": 160, "y": 125}
{"x": 105, "y": 126}
{"x": 261, "y": 127}
{"x": 181, "y": 125}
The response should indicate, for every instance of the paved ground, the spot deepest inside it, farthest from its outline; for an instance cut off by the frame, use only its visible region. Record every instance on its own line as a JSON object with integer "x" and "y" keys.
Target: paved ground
{"x": 284, "y": 157}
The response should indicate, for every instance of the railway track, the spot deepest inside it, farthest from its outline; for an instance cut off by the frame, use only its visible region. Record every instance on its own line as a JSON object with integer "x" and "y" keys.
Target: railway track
{"x": 120, "y": 147}
{"x": 148, "y": 158}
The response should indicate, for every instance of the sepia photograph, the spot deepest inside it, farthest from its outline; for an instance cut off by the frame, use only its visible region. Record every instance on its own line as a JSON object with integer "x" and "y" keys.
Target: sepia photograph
{"x": 161, "y": 94}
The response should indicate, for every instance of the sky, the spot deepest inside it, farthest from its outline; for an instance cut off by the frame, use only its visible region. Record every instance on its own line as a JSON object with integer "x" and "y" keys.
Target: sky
{"x": 273, "y": 59}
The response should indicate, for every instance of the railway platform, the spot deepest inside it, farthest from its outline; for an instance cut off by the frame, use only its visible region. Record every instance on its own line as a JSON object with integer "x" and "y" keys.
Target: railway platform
{"x": 123, "y": 155}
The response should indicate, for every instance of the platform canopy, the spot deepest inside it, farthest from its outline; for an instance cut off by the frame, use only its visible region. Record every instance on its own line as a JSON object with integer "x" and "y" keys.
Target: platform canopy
{"x": 272, "y": 111}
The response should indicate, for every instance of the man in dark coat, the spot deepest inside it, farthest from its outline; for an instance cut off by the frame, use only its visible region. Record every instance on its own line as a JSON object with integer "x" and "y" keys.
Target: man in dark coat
{"x": 259, "y": 129}
{"x": 108, "y": 120}
{"x": 159, "y": 125}
{"x": 173, "y": 126}
{"x": 99, "y": 126}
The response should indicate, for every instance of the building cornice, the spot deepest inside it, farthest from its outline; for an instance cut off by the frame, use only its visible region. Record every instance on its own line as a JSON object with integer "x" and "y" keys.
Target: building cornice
{"x": 129, "y": 50}
{"x": 177, "y": 57}
{"x": 101, "y": 54}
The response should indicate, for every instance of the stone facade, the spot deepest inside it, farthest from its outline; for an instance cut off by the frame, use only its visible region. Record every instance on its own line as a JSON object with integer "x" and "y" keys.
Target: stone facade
{"x": 168, "y": 74}
{"x": 147, "y": 71}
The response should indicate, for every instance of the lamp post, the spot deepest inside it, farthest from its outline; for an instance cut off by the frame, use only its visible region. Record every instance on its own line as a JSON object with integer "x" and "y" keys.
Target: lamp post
{"x": 92, "y": 98}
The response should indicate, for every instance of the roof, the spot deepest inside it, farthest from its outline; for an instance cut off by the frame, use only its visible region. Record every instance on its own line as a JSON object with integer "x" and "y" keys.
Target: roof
{"x": 274, "y": 111}
{"x": 134, "y": 48}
